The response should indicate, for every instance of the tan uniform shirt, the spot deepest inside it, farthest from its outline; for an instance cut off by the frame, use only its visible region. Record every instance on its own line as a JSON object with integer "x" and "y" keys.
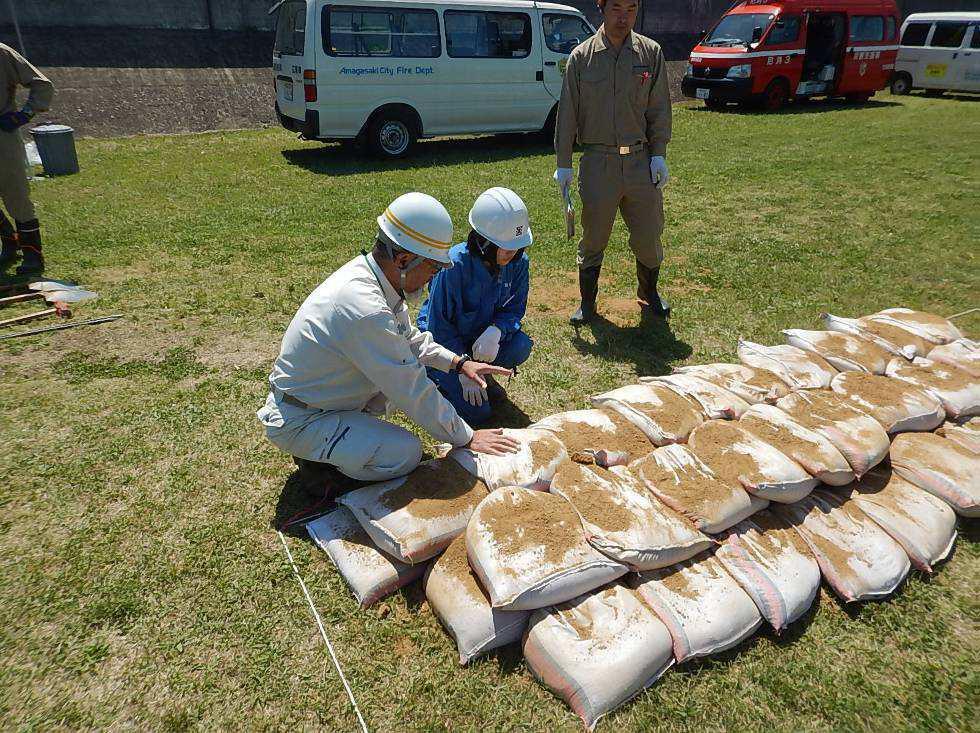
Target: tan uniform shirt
{"x": 16, "y": 71}
{"x": 610, "y": 99}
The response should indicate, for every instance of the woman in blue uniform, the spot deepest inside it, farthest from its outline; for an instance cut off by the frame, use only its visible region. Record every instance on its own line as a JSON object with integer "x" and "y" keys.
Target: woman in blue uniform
{"x": 476, "y": 306}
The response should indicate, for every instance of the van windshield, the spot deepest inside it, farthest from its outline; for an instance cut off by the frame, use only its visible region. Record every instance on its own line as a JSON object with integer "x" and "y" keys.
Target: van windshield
{"x": 736, "y": 30}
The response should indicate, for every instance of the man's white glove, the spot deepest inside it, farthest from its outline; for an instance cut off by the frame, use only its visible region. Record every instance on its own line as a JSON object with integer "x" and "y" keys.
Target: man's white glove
{"x": 473, "y": 393}
{"x": 658, "y": 171}
{"x": 563, "y": 176}
{"x": 485, "y": 348}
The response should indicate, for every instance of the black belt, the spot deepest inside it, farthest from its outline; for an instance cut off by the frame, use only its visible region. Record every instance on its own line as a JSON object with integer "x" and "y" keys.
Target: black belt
{"x": 290, "y": 400}
{"x": 614, "y": 149}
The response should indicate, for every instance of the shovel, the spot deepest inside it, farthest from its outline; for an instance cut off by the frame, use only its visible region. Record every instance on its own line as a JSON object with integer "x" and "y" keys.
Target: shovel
{"x": 569, "y": 212}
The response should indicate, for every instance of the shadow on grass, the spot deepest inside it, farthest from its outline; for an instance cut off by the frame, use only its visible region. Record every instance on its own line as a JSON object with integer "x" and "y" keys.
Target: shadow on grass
{"x": 651, "y": 345}
{"x": 803, "y": 107}
{"x": 306, "y": 495}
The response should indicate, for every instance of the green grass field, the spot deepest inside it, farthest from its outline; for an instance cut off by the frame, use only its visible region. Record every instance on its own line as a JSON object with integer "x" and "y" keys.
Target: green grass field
{"x": 143, "y": 583}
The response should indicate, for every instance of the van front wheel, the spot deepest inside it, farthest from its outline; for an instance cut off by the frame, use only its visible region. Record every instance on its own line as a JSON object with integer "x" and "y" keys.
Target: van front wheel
{"x": 391, "y": 136}
{"x": 901, "y": 84}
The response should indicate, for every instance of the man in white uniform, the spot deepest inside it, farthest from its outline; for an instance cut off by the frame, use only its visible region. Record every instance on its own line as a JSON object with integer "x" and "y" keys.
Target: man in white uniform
{"x": 351, "y": 350}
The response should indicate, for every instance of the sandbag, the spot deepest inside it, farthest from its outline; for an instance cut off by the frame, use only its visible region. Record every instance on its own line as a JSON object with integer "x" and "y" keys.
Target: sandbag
{"x": 928, "y": 326}
{"x": 622, "y": 520}
{"x": 532, "y": 466}
{"x": 739, "y": 458}
{"x": 955, "y": 388}
{"x": 415, "y": 517}
{"x": 528, "y": 550}
{"x": 963, "y": 354}
{"x": 858, "y": 558}
{"x": 895, "y": 341}
{"x": 661, "y": 413}
{"x": 858, "y": 436}
{"x": 843, "y": 351}
{"x": 701, "y": 605}
{"x": 966, "y": 435}
{"x": 810, "y": 449}
{"x": 462, "y": 607}
{"x": 370, "y": 573}
{"x": 798, "y": 368}
{"x": 924, "y": 525}
{"x": 604, "y": 435}
{"x": 717, "y": 402}
{"x": 773, "y": 565}
{"x": 940, "y": 466}
{"x": 598, "y": 650}
{"x": 684, "y": 483}
{"x": 897, "y": 405}
{"x": 751, "y": 384}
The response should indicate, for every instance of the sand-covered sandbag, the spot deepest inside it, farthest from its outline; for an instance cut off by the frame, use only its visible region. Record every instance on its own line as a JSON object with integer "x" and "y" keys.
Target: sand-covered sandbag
{"x": 463, "y": 608}
{"x": 856, "y": 556}
{"x": 967, "y": 434}
{"x": 940, "y": 466}
{"x": 859, "y": 437}
{"x": 810, "y": 449}
{"x": 932, "y": 328}
{"x": 843, "y": 351}
{"x": 751, "y": 384}
{"x": 604, "y": 435}
{"x": 737, "y": 457}
{"x": 370, "y": 573}
{"x": 963, "y": 354}
{"x": 897, "y": 405}
{"x": 717, "y": 402}
{"x": 532, "y": 466}
{"x": 598, "y": 650}
{"x": 896, "y": 341}
{"x": 773, "y": 565}
{"x": 798, "y": 368}
{"x": 662, "y": 414}
{"x": 623, "y": 520}
{"x": 683, "y": 482}
{"x": 528, "y": 549}
{"x": 955, "y": 388}
{"x": 704, "y": 608}
{"x": 923, "y": 524}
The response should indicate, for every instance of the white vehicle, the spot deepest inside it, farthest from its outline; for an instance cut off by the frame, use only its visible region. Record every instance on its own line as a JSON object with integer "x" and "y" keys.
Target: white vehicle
{"x": 392, "y": 71}
{"x": 938, "y": 52}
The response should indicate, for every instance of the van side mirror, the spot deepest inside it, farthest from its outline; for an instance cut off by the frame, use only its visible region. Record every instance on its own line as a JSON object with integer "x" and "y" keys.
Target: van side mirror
{"x": 757, "y": 34}
{"x": 702, "y": 33}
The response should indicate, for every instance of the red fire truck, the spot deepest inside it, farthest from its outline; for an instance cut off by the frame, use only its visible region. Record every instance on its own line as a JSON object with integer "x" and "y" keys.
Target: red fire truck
{"x": 770, "y": 51}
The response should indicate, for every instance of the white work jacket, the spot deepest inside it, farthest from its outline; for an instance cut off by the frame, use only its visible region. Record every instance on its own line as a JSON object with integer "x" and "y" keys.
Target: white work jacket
{"x": 352, "y": 343}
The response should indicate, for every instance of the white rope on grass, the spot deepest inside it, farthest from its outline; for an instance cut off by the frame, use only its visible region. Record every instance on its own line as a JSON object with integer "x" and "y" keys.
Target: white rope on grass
{"x": 323, "y": 633}
{"x": 964, "y": 313}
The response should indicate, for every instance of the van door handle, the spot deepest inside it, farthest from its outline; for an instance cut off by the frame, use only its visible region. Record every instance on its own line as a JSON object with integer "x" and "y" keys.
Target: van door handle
{"x": 549, "y": 63}
{"x": 539, "y": 76}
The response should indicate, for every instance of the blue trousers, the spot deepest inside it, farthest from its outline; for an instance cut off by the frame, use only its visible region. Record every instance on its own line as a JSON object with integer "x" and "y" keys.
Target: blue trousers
{"x": 514, "y": 351}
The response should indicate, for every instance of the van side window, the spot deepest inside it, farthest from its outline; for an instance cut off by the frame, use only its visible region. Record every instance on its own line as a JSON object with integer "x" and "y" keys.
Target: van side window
{"x": 915, "y": 34}
{"x": 949, "y": 34}
{"x": 786, "y": 30}
{"x": 889, "y": 28}
{"x": 388, "y": 32}
{"x": 867, "y": 28}
{"x": 487, "y": 35}
{"x": 975, "y": 43}
{"x": 291, "y": 29}
{"x": 563, "y": 33}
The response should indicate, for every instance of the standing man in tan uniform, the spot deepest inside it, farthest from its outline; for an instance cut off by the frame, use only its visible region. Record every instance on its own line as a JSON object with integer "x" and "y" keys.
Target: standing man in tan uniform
{"x": 17, "y": 71}
{"x": 615, "y": 102}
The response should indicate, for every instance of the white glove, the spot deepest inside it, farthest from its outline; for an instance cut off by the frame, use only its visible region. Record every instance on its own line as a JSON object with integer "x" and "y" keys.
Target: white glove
{"x": 658, "y": 171}
{"x": 473, "y": 393}
{"x": 564, "y": 178}
{"x": 485, "y": 348}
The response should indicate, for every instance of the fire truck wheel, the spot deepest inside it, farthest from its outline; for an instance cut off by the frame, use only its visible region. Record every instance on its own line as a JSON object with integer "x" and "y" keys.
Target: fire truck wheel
{"x": 776, "y": 95}
{"x": 902, "y": 83}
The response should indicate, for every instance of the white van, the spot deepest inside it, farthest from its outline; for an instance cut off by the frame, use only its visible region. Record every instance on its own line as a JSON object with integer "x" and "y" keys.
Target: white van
{"x": 938, "y": 52}
{"x": 392, "y": 71}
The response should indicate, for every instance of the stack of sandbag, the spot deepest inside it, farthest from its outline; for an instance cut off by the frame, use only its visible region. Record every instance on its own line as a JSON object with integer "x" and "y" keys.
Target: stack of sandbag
{"x": 603, "y": 436}
{"x": 843, "y": 351}
{"x": 415, "y": 517}
{"x": 798, "y": 368}
{"x": 966, "y": 434}
{"x": 773, "y": 565}
{"x": 955, "y": 388}
{"x": 623, "y": 520}
{"x": 716, "y": 402}
{"x": 683, "y": 482}
{"x": 751, "y": 384}
{"x": 859, "y": 560}
{"x": 662, "y": 414}
{"x": 899, "y": 406}
{"x": 462, "y": 606}
{"x": 940, "y": 466}
{"x": 529, "y": 550}
{"x": 598, "y": 650}
{"x": 740, "y": 459}
{"x": 370, "y": 573}
{"x": 532, "y": 466}
{"x": 963, "y": 354}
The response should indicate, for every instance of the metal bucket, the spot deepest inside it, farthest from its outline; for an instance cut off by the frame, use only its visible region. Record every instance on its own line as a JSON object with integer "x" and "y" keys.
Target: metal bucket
{"x": 56, "y": 146}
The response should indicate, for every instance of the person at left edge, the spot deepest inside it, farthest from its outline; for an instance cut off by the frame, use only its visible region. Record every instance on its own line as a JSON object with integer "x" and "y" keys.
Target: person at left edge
{"x": 351, "y": 350}
{"x": 477, "y": 305}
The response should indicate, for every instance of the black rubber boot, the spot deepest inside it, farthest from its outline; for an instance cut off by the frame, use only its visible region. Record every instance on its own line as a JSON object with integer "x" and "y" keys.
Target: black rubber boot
{"x": 29, "y": 238}
{"x": 588, "y": 286}
{"x": 646, "y": 291}
{"x": 8, "y": 242}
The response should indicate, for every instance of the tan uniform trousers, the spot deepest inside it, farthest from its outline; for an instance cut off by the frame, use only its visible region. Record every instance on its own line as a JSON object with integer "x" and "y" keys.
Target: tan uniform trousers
{"x": 14, "y": 188}
{"x": 608, "y": 182}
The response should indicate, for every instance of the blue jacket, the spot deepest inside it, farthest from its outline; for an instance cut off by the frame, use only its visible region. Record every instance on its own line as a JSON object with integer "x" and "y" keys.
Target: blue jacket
{"x": 466, "y": 298}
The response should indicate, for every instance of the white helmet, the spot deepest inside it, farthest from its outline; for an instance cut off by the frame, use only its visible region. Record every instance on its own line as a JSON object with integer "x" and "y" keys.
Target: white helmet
{"x": 498, "y": 214}
{"x": 420, "y": 224}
